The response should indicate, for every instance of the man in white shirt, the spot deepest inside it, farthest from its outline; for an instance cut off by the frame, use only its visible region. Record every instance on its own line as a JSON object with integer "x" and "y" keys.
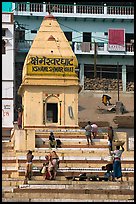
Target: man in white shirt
{"x": 94, "y": 129}
{"x": 88, "y": 132}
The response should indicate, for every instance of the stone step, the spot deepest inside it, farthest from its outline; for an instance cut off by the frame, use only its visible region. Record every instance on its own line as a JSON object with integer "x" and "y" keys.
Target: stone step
{"x": 82, "y": 183}
{"x": 66, "y": 162}
{"x": 69, "y": 136}
{"x": 101, "y": 131}
{"x": 127, "y": 174}
{"x": 13, "y": 182}
{"x": 91, "y": 152}
{"x": 64, "y": 191}
{"x": 7, "y": 144}
{"x": 64, "y": 200}
{"x": 66, "y": 146}
{"x": 69, "y": 141}
{"x": 85, "y": 165}
{"x": 58, "y": 181}
{"x": 14, "y": 173}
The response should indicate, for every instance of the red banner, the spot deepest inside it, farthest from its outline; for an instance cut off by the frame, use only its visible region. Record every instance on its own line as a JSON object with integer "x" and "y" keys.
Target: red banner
{"x": 116, "y": 40}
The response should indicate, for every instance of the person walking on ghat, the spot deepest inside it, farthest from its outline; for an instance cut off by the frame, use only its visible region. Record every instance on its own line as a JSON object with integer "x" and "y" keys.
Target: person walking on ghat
{"x": 28, "y": 173}
{"x": 117, "y": 172}
{"x": 55, "y": 163}
{"x": 110, "y": 137}
{"x": 94, "y": 129}
{"x": 88, "y": 132}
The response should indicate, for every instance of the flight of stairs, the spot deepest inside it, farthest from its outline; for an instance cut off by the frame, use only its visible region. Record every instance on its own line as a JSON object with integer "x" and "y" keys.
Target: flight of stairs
{"x": 76, "y": 157}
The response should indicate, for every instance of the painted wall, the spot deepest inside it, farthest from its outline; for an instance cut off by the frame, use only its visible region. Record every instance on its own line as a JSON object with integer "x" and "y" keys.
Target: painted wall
{"x": 77, "y": 27}
{"x": 33, "y": 105}
{"x": 7, "y": 65}
{"x": 8, "y": 72}
{"x": 6, "y": 6}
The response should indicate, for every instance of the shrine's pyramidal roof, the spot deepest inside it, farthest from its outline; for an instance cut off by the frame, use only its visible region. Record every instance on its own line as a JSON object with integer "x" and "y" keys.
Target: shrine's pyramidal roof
{"x": 50, "y": 48}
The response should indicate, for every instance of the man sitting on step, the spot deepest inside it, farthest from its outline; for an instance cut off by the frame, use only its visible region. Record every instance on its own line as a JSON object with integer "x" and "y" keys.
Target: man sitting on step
{"x": 52, "y": 141}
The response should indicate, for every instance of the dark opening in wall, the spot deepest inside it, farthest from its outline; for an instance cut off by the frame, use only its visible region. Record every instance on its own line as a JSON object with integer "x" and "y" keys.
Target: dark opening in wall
{"x": 3, "y": 47}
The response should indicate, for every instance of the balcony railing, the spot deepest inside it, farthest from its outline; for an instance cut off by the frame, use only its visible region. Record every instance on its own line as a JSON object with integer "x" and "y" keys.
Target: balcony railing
{"x": 32, "y": 7}
{"x": 86, "y": 47}
{"x": 120, "y": 10}
{"x": 63, "y": 8}
{"x": 90, "y": 9}
{"x": 23, "y": 45}
{"x": 60, "y": 8}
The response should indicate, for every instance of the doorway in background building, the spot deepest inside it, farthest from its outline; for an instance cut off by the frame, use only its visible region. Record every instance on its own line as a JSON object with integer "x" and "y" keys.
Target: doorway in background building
{"x": 52, "y": 112}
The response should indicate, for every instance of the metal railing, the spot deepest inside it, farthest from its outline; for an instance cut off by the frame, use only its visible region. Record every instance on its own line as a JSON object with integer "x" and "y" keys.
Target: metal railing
{"x": 24, "y": 45}
{"x": 73, "y": 8}
{"x": 88, "y": 46}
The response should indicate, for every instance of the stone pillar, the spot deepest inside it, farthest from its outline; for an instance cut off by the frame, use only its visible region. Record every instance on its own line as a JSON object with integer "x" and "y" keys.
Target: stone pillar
{"x": 81, "y": 75}
{"x": 30, "y": 137}
{"x": 24, "y": 140}
{"x": 74, "y": 7}
{"x": 44, "y": 7}
{"x": 20, "y": 140}
{"x": 105, "y": 9}
{"x": 28, "y": 7}
{"x": 124, "y": 78}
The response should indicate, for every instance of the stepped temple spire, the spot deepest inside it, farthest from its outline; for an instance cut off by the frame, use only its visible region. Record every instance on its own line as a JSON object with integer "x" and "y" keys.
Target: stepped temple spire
{"x": 50, "y": 84}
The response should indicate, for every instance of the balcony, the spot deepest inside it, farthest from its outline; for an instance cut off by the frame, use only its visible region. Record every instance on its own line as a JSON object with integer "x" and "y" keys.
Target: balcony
{"x": 21, "y": 8}
{"x": 81, "y": 48}
{"x": 23, "y": 45}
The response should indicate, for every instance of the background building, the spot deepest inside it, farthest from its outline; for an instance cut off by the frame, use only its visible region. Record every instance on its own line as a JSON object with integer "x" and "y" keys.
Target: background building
{"x": 7, "y": 72}
{"x": 101, "y": 35}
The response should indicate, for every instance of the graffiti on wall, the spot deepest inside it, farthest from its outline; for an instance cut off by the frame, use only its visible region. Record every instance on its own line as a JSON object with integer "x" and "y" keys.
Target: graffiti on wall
{"x": 7, "y": 113}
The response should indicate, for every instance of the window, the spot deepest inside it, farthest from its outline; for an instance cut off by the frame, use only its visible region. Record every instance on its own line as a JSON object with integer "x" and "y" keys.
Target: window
{"x": 68, "y": 35}
{"x": 86, "y": 37}
{"x": 3, "y": 47}
{"x": 20, "y": 35}
{"x": 129, "y": 37}
{"x": 33, "y": 31}
{"x": 106, "y": 33}
{"x": 3, "y": 32}
{"x": 100, "y": 46}
{"x": 52, "y": 112}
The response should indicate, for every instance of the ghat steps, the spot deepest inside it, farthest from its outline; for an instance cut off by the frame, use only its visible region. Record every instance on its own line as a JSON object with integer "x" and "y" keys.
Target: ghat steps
{"x": 74, "y": 160}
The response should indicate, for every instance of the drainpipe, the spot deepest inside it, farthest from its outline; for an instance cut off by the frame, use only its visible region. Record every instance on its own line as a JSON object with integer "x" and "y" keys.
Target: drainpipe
{"x": 95, "y": 55}
{"x": 118, "y": 78}
{"x": 60, "y": 112}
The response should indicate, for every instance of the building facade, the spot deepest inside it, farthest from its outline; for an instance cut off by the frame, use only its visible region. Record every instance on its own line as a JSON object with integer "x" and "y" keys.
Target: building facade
{"x": 100, "y": 34}
{"x": 7, "y": 71}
